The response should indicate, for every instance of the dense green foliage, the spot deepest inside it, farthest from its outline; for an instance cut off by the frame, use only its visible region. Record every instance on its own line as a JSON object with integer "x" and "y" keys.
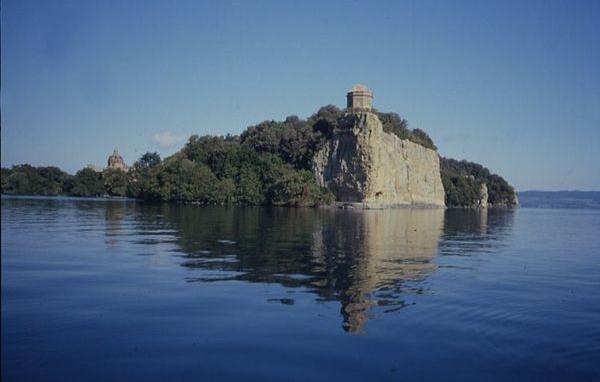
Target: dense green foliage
{"x": 251, "y": 169}
{"x": 115, "y": 182}
{"x": 88, "y": 182}
{"x": 393, "y": 123}
{"x": 51, "y": 181}
{"x": 28, "y": 180}
{"x": 268, "y": 164}
{"x": 462, "y": 181}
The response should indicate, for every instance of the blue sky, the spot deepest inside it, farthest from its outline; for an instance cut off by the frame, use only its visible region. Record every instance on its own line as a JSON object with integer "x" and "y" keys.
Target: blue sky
{"x": 512, "y": 85}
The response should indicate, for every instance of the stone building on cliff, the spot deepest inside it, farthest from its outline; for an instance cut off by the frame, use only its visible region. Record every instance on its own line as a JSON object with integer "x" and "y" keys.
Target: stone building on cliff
{"x": 367, "y": 167}
{"x": 116, "y": 162}
{"x": 359, "y": 98}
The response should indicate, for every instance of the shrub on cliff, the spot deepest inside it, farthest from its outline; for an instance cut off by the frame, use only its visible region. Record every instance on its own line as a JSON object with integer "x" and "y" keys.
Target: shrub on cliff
{"x": 394, "y": 124}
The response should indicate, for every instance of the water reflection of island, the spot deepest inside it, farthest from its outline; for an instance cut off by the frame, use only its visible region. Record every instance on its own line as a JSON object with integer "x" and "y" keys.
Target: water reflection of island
{"x": 360, "y": 258}
{"x": 468, "y": 231}
{"x": 114, "y": 214}
{"x": 376, "y": 252}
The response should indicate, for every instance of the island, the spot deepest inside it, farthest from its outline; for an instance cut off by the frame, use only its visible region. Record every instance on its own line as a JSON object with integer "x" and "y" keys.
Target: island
{"x": 350, "y": 157}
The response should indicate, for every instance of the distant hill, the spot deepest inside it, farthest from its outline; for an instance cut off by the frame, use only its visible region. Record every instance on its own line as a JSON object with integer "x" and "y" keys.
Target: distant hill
{"x": 560, "y": 199}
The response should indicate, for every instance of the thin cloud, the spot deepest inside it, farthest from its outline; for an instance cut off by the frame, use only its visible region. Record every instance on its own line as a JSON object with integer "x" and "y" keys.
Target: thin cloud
{"x": 166, "y": 140}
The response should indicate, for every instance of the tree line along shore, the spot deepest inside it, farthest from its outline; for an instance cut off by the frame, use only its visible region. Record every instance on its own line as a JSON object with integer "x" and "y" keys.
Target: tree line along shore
{"x": 268, "y": 164}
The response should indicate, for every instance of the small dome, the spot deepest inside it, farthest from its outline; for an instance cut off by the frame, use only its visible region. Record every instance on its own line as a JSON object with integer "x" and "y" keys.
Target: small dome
{"x": 115, "y": 158}
{"x": 116, "y": 161}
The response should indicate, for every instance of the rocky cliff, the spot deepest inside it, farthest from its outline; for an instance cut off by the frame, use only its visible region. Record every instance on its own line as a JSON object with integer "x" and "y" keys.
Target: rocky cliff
{"x": 363, "y": 164}
{"x": 483, "y": 196}
{"x": 484, "y": 202}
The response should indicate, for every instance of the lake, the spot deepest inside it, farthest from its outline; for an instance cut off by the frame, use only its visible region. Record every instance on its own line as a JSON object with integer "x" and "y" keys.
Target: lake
{"x": 100, "y": 290}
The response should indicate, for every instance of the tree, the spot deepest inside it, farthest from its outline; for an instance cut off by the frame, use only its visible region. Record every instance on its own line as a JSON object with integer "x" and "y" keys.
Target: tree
{"x": 88, "y": 182}
{"x": 142, "y": 182}
{"x": 297, "y": 188}
{"x": 28, "y": 180}
{"x": 115, "y": 182}
{"x": 148, "y": 160}
{"x": 4, "y": 175}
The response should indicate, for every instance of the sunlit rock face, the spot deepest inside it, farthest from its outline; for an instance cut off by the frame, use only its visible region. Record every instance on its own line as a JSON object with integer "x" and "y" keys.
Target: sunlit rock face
{"x": 363, "y": 164}
{"x": 483, "y": 196}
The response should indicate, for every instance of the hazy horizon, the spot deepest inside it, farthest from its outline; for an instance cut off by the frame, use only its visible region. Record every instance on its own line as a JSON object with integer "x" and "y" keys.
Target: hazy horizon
{"x": 509, "y": 85}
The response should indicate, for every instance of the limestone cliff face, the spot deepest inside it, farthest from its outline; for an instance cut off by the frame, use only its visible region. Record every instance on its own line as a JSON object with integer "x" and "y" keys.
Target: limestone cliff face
{"x": 363, "y": 164}
{"x": 510, "y": 202}
{"x": 483, "y": 196}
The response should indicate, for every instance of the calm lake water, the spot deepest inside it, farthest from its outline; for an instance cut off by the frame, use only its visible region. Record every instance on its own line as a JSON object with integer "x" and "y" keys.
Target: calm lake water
{"x": 122, "y": 291}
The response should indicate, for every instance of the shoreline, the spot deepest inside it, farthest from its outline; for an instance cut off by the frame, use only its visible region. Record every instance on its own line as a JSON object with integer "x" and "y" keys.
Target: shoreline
{"x": 335, "y": 205}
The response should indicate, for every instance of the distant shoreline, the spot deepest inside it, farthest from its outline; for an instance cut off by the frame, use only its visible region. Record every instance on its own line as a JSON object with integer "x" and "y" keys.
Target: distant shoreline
{"x": 560, "y": 199}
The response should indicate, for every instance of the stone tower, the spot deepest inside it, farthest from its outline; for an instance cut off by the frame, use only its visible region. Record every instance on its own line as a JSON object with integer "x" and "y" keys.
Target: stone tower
{"x": 359, "y": 98}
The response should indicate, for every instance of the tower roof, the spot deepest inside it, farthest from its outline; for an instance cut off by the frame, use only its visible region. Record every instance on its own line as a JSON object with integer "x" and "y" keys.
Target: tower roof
{"x": 359, "y": 88}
